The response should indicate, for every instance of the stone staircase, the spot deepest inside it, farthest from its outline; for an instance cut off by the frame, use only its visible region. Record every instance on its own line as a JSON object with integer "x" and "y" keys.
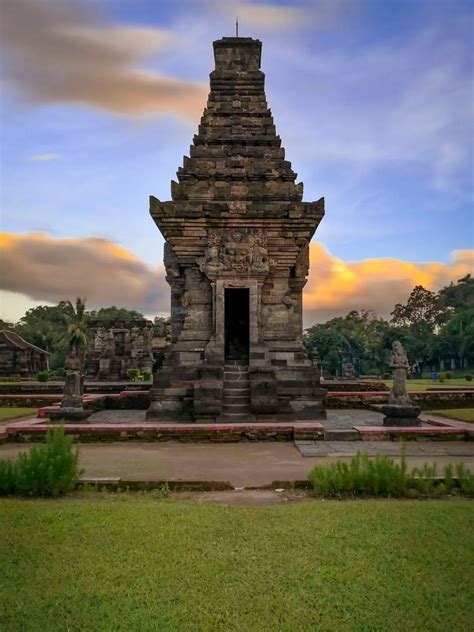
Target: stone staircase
{"x": 236, "y": 394}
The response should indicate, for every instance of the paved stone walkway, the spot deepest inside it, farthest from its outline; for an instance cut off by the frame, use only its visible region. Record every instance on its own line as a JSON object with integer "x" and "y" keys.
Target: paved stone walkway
{"x": 391, "y": 448}
{"x": 241, "y": 464}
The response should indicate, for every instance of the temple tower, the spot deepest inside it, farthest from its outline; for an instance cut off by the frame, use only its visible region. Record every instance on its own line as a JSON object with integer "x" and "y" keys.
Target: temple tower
{"x": 236, "y": 254}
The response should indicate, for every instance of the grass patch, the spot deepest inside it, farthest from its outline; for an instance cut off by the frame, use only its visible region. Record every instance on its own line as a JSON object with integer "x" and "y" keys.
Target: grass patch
{"x": 422, "y": 385}
{"x": 460, "y": 414}
{"x": 130, "y": 562}
{"x": 7, "y": 414}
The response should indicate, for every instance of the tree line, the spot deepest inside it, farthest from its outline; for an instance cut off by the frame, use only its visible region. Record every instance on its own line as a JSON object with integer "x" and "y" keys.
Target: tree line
{"x": 53, "y": 327}
{"x": 436, "y": 329}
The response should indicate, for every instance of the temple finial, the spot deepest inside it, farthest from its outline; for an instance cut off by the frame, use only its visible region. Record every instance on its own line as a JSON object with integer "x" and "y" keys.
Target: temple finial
{"x": 237, "y": 26}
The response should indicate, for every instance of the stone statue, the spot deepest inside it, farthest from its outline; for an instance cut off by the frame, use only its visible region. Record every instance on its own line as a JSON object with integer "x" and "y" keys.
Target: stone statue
{"x": 399, "y": 364}
{"x": 400, "y": 411}
{"x": 71, "y": 408}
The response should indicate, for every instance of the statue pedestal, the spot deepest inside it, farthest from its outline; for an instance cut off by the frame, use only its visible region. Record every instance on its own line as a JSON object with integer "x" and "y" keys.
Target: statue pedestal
{"x": 401, "y": 415}
{"x": 68, "y": 413}
{"x": 71, "y": 408}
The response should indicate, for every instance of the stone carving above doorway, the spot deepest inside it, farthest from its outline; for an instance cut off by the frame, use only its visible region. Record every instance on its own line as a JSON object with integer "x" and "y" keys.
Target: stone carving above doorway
{"x": 238, "y": 251}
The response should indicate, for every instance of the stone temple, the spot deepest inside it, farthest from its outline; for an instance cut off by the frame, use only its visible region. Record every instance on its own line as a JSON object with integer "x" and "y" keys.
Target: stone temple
{"x": 236, "y": 255}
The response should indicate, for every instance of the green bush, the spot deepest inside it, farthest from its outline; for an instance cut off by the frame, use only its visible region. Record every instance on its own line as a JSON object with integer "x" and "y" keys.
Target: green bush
{"x": 468, "y": 377}
{"x": 387, "y": 376}
{"x": 43, "y": 376}
{"x": 442, "y": 377}
{"x": 46, "y": 470}
{"x": 382, "y": 476}
{"x": 449, "y": 375}
{"x": 146, "y": 375}
{"x": 133, "y": 374}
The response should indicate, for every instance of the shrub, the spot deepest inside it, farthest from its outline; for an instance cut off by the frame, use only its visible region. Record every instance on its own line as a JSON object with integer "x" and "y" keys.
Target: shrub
{"x": 442, "y": 377}
{"x": 465, "y": 480}
{"x": 47, "y": 470}
{"x": 133, "y": 374}
{"x": 8, "y": 475}
{"x": 468, "y": 377}
{"x": 43, "y": 376}
{"x": 449, "y": 375}
{"x": 387, "y": 376}
{"x": 381, "y": 476}
{"x": 146, "y": 375}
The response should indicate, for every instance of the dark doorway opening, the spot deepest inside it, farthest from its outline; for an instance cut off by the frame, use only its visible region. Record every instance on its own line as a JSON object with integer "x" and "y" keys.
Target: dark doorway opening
{"x": 237, "y": 324}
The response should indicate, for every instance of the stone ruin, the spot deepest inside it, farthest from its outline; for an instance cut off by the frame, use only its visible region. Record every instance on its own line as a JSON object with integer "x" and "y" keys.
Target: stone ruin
{"x": 236, "y": 254}
{"x": 116, "y": 346}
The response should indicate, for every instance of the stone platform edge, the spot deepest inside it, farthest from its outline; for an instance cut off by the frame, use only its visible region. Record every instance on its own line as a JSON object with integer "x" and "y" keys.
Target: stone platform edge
{"x": 35, "y": 430}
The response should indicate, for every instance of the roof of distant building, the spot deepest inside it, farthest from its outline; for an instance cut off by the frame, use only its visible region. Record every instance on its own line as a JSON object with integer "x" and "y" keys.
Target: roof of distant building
{"x": 17, "y": 341}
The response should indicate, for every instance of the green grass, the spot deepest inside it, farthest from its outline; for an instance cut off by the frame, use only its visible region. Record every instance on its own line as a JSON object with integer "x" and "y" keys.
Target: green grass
{"x": 121, "y": 562}
{"x": 422, "y": 385}
{"x": 461, "y": 414}
{"x": 7, "y": 414}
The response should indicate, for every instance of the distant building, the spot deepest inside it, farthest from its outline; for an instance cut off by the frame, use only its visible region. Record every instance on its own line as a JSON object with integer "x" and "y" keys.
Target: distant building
{"x": 19, "y": 358}
{"x": 118, "y": 345}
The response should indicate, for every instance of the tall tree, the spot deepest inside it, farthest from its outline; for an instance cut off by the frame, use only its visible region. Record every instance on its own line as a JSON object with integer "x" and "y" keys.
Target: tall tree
{"x": 460, "y": 295}
{"x": 114, "y": 313}
{"x": 422, "y": 310}
{"x": 76, "y": 332}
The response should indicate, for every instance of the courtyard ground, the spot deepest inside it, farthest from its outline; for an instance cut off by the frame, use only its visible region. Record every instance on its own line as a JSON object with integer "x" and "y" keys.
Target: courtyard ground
{"x": 243, "y": 464}
{"x": 134, "y": 562}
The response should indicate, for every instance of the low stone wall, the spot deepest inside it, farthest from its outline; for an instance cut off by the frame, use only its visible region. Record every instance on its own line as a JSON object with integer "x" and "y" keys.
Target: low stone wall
{"x": 426, "y": 400}
{"x": 185, "y": 433}
{"x": 56, "y": 387}
{"x": 343, "y": 386}
{"x": 140, "y": 400}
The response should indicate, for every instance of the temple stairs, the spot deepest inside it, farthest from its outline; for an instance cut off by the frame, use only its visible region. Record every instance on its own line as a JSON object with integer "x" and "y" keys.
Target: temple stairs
{"x": 236, "y": 394}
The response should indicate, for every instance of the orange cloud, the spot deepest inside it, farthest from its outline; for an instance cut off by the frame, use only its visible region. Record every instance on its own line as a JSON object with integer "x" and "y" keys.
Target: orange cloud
{"x": 44, "y": 268}
{"x": 59, "y": 52}
{"x": 336, "y": 286}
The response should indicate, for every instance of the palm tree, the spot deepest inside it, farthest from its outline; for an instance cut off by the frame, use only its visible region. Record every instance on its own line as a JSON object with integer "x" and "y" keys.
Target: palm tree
{"x": 76, "y": 333}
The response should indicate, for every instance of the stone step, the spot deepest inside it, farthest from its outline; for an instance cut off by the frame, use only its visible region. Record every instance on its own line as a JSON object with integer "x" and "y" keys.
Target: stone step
{"x": 236, "y": 399}
{"x": 342, "y": 434}
{"x": 234, "y": 367}
{"x": 236, "y": 418}
{"x": 235, "y": 408}
{"x": 236, "y": 384}
{"x": 236, "y": 373}
{"x": 236, "y": 392}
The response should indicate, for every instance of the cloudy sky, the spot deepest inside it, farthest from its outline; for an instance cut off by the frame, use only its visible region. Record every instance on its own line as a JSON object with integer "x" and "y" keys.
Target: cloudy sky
{"x": 100, "y": 100}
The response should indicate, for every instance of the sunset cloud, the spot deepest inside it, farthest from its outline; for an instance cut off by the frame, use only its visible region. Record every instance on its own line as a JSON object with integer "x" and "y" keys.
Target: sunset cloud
{"x": 43, "y": 157}
{"x": 48, "y": 269}
{"x": 44, "y": 268}
{"x": 58, "y": 52}
{"x": 336, "y": 286}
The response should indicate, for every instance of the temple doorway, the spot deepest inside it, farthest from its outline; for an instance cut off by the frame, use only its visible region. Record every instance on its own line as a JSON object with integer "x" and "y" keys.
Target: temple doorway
{"x": 237, "y": 324}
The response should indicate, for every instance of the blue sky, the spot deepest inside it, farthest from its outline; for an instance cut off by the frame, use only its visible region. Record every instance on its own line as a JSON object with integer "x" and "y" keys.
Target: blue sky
{"x": 372, "y": 99}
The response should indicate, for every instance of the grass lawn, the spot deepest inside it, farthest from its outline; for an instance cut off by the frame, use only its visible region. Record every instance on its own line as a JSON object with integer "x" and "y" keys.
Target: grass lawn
{"x": 462, "y": 414}
{"x": 132, "y": 562}
{"x": 422, "y": 385}
{"x": 7, "y": 414}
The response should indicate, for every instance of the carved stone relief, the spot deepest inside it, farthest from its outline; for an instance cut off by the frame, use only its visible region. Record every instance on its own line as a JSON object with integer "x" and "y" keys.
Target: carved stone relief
{"x": 239, "y": 251}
